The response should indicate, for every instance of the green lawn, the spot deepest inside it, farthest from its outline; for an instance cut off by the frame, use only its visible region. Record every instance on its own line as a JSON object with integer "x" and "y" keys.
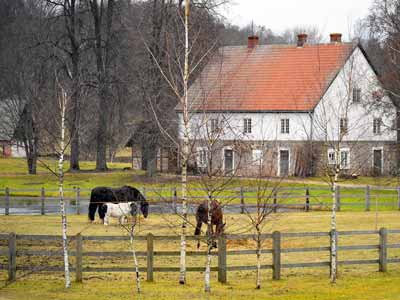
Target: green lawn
{"x": 160, "y": 187}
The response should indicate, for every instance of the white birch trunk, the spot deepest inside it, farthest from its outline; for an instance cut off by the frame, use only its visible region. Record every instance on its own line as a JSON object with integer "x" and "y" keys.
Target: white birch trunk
{"x": 207, "y": 284}
{"x": 185, "y": 148}
{"x": 333, "y": 220}
{"x": 258, "y": 275}
{"x": 135, "y": 260}
{"x": 61, "y": 191}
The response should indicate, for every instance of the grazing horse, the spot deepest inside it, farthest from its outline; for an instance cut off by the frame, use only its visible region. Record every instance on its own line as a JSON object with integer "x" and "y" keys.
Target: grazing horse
{"x": 118, "y": 210}
{"x": 101, "y": 195}
{"x": 216, "y": 219}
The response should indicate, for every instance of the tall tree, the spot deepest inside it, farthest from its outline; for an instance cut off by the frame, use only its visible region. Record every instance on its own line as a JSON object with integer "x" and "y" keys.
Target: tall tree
{"x": 102, "y": 13}
{"x": 69, "y": 38}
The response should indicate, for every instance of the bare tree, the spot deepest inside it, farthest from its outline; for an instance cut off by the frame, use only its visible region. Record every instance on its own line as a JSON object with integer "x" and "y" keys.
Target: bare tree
{"x": 63, "y": 102}
{"x": 69, "y": 39}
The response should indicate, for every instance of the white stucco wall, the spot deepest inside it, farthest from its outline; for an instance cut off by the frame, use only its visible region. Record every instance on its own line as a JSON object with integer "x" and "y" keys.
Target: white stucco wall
{"x": 337, "y": 103}
{"x": 265, "y": 126}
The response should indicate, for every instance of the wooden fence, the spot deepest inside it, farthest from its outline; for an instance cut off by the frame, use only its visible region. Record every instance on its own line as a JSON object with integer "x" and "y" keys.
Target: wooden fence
{"x": 382, "y": 259}
{"x": 298, "y": 198}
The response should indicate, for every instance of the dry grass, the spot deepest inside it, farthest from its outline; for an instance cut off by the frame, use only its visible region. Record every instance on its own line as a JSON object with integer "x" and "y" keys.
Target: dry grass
{"x": 311, "y": 283}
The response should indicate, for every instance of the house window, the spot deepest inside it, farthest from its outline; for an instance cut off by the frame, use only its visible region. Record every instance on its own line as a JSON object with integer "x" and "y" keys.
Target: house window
{"x": 344, "y": 155}
{"x": 343, "y": 126}
{"x": 344, "y": 159}
{"x": 377, "y": 126}
{"x": 356, "y": 95}
{"x": 246, "y": 125}
{"x": 202, "y": 157}
{"x": 213, "y": 125}
{"x": 331, "y": 157}
{"x": 257, "y": 156}
{"x": 284, "y": 125}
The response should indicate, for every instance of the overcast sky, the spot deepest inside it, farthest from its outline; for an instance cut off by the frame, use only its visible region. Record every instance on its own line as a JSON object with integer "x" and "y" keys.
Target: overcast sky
{"x": 328, "y": 15}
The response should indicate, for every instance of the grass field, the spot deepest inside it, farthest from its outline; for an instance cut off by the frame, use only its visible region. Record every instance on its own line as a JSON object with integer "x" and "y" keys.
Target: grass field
{"x": 13, "y": 175}
{"x": 355, "y": 282}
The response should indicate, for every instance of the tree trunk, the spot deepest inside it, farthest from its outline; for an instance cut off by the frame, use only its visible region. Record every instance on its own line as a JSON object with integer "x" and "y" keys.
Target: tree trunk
{"x": 61, "y": 192}
{"x": 135, "y": 260}
{"x": 101, "y": 136}
{"x": 149, "y": 158}
{"x": 333, "y": 219}
{"x": 258, "y": 275}
{"x": 397, "y": 143}
{"x": 75, "y": 122}
{"x": 185, "y": 148}
{"x": 30, "y": 139}
{"x": 103, "y": 66}
{"x": 207, "y": 284}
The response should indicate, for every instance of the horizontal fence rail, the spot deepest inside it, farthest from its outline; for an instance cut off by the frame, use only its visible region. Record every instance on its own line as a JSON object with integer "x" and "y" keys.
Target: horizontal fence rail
{"x": 235, "y": 200}
{"x": 11, "y": 244}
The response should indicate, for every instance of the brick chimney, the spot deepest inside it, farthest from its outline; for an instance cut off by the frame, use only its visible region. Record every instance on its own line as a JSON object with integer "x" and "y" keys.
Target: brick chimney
{"x": 252, "y": 41}
{"x": 301, "y": 39}
{"x": 336, "y": 37}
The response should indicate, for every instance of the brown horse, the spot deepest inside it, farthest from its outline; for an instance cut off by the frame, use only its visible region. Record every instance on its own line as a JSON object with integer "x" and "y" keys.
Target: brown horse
{"x": 216, "y": 219}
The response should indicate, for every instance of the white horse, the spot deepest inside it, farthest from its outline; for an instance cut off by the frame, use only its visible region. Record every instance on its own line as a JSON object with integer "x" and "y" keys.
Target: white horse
{"x": 118, "y": 210}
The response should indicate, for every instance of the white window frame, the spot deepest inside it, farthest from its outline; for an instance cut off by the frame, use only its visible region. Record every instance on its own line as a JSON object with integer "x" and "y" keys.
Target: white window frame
{"x": 223, "y": 157}
{"x": 347, "y": 167}
{"x": 285, "y": 126}
{"x": 257, "y": 156}
{"x": 356, "y": 94}
{"x": 382, "y": 159}
{"x": 377, "y": 124}
{"x": 199, "y": 156}
{"x": 247, "y": 125}
{"x": 330, "y": 161}
{"x": 213, "y": 125}
{"x": 279, "y": 160}
{"x": 346, "y": 128}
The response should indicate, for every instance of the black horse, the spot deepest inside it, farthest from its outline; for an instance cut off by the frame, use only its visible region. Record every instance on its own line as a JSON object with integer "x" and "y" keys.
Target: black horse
{"x": 216, "y": 219}
{"x": 101, "y": 195}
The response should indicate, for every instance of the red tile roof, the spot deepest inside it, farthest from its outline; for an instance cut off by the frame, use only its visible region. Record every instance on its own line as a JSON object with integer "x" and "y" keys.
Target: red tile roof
{"x": 268, "y": 77}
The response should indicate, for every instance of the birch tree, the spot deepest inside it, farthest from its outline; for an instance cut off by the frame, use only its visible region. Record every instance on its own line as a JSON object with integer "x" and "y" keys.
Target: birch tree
{"x": 62, "y": 105}
{"x": 186, "y": 59}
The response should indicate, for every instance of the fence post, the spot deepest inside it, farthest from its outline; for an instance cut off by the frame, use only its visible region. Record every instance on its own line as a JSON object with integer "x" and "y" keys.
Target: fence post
{"x": 398, "y": 197}
{"x": 78, "y": 200}
{"x": 275, "y": 201}
{"x": 78, "y": 258}
{"x": 241, "y": 200}
{"x": 307, "y": 207}
{"x": 382, "y": 250}
{"x": 222, "y": 259}
{"x": 337, "y": 198}
{"x": 367, "y": 198}
{"x": 276, "y": 255}
{"x": 7, "y": 201}
{"x": 42, "y": 200}
{"x": 174, "y": 199}
{"x": 12, "y": 257}
{"x": 333, "y": 254}
{"x": 150, "y": 257}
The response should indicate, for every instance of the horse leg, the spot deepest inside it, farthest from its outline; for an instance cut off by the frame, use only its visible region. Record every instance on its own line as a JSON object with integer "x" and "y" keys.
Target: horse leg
{"x": 214, "y": 243}
{"x": 106, "y": 220}
{"x": 92, "y": 211}
{"x": 101, "y": 212}
{"x": 197, "y": 232}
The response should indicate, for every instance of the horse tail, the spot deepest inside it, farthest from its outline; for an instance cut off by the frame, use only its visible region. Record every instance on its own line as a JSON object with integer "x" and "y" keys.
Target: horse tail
{"x": 198, "y": 228}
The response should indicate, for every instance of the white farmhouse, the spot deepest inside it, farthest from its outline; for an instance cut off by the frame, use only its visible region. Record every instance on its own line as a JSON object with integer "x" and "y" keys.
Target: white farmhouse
{"x": 287, "y": 110}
